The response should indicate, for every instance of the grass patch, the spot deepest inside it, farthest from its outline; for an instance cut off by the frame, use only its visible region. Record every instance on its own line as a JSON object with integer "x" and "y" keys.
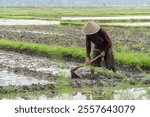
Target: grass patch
{"x": 29, "y": 95}
{"x": 20, "y": 89}
{"x": 134, "y": 59}
{"x": 137, "y": 46}
{"x": 63, "y": 85}
{"x": 107, "y": 93}
{"x": 54, "y": 51}
{"x": 122, "y": 56}
{"x": 108, "y": 73}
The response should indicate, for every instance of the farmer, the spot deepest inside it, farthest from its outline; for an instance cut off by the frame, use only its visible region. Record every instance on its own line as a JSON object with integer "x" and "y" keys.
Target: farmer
{"x": 102, "y": 45}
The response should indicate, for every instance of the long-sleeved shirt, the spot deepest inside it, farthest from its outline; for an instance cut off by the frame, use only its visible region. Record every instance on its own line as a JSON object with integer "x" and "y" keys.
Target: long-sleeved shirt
{"x": 100, "y": 39}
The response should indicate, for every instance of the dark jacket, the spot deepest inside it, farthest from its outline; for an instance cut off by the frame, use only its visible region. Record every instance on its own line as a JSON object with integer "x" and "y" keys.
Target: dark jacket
{"x": 101, "y": 41}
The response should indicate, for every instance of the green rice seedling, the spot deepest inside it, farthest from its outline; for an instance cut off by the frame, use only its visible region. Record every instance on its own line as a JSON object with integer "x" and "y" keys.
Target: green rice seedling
{"x": 63, "y": 85}
{"x": 108, "y": 93}
{"x": 131, "y": 58}
{"x": 122, "y": 56}
{"x": 137, "y": 45}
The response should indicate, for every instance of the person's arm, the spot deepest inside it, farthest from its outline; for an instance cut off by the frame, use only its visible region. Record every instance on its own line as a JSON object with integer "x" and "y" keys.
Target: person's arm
{"x": 88, "y": 48}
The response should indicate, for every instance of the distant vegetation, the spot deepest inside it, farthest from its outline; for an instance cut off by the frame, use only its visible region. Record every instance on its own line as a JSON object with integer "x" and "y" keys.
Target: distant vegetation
{"x": 56, "y": 13}
{"x": 61, "y": 3}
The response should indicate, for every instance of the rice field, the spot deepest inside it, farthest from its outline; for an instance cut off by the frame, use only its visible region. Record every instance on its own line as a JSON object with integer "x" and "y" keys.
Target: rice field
{"x": 43, "y": 54}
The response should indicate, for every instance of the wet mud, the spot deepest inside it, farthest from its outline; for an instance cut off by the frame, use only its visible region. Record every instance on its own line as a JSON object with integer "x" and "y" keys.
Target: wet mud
{"x": 44, "y": 70}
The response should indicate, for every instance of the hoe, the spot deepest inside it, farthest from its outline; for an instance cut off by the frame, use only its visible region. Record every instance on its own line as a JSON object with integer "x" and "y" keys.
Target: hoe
{"x": 74, "y": 75}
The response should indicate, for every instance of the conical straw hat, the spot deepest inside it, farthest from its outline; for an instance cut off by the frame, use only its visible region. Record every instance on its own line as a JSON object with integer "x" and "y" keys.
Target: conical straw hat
{"x": 90, "y": 28}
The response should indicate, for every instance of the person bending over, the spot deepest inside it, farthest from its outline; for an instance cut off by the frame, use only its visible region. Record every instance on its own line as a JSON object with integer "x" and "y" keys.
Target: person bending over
{"x": 102, "y": 45}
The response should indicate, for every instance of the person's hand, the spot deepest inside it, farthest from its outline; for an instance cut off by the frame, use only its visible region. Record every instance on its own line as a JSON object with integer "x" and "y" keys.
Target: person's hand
{"x": 102, "y": 53}
{"x": 87, "y": 61}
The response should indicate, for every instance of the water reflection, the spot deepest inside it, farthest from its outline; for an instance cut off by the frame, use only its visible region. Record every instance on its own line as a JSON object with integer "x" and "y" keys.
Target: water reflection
{"x": 10, "y": 78}
{"x": 133, "y": 94}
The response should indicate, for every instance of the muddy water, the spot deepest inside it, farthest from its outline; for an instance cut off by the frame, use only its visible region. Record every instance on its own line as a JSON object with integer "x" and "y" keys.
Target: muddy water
{"x": 133, "y": 93}
{"x": 32, "y": 65}
{"x": 10, "y": 78}
{"x": 21, "y": 69}
{"x": 25, "y": 70}
{"x": 39, "y": 68}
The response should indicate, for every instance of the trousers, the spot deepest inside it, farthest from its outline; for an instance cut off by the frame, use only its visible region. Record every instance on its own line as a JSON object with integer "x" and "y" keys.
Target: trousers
{"x": 108, "y": 59}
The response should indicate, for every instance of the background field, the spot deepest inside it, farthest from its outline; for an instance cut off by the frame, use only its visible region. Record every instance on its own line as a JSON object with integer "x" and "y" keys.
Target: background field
{"x": 57, "y": 13}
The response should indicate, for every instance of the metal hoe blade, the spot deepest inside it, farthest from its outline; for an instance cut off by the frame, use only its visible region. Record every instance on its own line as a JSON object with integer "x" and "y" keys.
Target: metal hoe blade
{"x": 73, "y": 74}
